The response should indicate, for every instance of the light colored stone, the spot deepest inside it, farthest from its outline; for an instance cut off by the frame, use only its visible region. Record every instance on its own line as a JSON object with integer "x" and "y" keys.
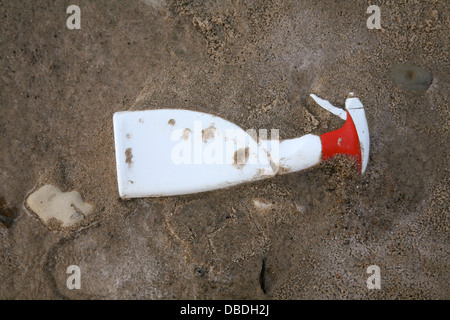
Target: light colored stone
{"x": 262, "y": 205}
{"x": 67, "y": 207}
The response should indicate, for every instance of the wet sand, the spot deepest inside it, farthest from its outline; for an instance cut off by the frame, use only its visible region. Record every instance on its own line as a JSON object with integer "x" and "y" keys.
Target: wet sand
{"x": 304, "y": 235}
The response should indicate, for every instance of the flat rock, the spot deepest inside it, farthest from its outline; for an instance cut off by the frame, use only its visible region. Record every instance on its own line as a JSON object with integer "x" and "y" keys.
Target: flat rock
{"x": 48, "y": 202}
{"x": 411, "y": 77}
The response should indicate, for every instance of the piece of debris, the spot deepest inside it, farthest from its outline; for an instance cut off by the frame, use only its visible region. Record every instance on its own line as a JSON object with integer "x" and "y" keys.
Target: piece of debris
{"x": 161, "y": 165}
{"x": 240, "y": 157}
{"x": 208, "y": 133}
{"x": 129, "y": 157}
{"x": 48, "y": 202}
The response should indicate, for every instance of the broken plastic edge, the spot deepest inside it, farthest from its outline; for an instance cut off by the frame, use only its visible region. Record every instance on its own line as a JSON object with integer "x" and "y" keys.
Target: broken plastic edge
{"x": 117, "y": 144}
{"x": 356, "y": 110}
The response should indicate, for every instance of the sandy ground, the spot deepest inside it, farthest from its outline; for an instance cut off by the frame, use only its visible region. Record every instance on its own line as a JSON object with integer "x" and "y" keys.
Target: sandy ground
{"x": 253, "y": 63}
